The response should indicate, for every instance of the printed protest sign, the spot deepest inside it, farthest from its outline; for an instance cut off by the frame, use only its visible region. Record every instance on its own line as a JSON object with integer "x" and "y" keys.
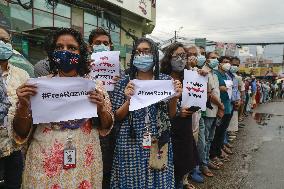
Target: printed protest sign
{"x": 148, "y": 92}
{"x": 229, "y": 85}
{"x": 194, "y": 90}
{"x": 105, "y": 67}
{"x": 244, "y": 51}
{"x": 61, "y": 99}
{"x": 219, "y": 48}
{"x": 230, "y": 49}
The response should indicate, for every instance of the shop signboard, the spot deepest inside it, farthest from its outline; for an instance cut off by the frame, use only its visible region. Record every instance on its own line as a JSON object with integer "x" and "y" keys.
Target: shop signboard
{"x": 140, "y": 7}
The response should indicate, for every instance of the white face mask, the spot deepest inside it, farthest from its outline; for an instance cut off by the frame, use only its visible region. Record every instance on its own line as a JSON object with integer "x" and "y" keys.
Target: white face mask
{"x": 226, "y": 67}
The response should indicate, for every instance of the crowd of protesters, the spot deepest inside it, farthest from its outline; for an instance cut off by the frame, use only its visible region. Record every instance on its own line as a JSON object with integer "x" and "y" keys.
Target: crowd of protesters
{"x": 109, "y": 152}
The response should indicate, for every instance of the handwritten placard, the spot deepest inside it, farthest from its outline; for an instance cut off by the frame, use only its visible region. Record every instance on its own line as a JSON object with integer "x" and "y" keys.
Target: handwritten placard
{"x": 229, "y": 85}
{"x": 105, "y": 67}
{"x": 148, "y": 92}
{"x": 62, "y": 99}
{"x": 194, "y": 90}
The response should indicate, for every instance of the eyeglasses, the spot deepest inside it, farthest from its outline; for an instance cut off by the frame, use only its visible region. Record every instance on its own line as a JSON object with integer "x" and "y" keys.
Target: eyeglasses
{"x": 189, "y": 54}
{"x": 143, "y": 51}
{"x": 180, "y": 56}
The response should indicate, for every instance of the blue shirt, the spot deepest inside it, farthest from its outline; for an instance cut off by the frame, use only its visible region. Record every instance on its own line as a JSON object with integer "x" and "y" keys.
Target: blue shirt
{"x": 224, "y": 95}
{"x": 253, "y": 86}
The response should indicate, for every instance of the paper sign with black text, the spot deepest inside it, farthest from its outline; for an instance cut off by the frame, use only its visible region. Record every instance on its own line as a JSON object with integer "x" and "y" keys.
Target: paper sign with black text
{"x": 194, "y": 90}
{"x": 229, "y": 85}
{"x": 62, "y": 99}
{"x": 148, "y": 92}
{"x": 105, "y": 66}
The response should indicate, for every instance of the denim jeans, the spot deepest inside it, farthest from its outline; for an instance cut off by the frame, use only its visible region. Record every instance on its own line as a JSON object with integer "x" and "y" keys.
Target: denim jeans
{"x": 226, "y": 138}
{"x": 201, "y": 140}
{"x": 209, "y": 136}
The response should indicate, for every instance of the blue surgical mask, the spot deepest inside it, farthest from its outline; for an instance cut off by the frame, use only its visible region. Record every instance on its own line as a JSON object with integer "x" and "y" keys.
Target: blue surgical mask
{"x": 201, "y": 60}
{"x": 100, "y": 48}
{"x": 65, "y": 60}
{"x": 6, "y": 50}
{"x": 143, "y": 63}
{"x": 234, "y": 69}
{"x": 213, "y": 63}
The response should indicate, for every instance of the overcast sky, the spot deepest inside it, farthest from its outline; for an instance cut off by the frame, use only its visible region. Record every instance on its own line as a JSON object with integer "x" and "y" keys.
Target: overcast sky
{"x": 222, "y": 20}
{"x": 235, "y": 21}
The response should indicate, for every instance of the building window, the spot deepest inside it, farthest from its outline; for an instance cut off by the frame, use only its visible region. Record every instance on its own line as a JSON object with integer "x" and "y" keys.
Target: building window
{"x": 90, "y": 23}
{"x": 115, "y": 37}
{"x": 42, "y": 19}
{"x": 48, "y": 17}
{"x": 42, "y": 5}
{"x": 63, "y": 10}
{"x": 61, "y": 22}
{"x": 21, "y": 19}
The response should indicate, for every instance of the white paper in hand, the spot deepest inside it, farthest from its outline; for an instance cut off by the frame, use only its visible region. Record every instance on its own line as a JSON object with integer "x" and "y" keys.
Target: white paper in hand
{"x": 229, "y": 85}
{"x": 62, "y": 99}
{"x": 105, "y": 66}
{"x": 148, "y": 92}
{"x": 194, "y": 90}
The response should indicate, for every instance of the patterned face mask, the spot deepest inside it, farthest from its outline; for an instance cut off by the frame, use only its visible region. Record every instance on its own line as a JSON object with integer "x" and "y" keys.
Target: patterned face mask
{"x": 65, "y": 60}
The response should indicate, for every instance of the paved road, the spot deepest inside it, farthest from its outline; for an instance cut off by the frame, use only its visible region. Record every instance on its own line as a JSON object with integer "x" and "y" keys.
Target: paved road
{"x": 258, "y": 161}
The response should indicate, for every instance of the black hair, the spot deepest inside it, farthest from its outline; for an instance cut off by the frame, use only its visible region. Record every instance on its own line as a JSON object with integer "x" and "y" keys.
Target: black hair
{"x": 98, "y": 32}
{"x": 50, "y": 47}
{"x": 154, "y": 51}
{"x": 166, "y": 67}
{"x": 207, "y": 55}
{"x": 235, "y": 58}
{"x": 221, "y": 58}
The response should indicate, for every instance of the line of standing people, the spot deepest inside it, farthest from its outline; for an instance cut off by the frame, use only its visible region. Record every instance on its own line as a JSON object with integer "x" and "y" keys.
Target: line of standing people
{"x": 109, "y": 149}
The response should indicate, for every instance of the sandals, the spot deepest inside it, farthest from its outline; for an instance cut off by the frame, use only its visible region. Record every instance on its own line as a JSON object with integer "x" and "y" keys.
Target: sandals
{"x": 228, "y": 145}
{"x": 227, "y": 150}
{"x": 188, "y": 186}
{"x": 217, "y": 161}
{"x": 206, "y": 171}
{"x": 213, "y": 166}
{"x": 224, "y": 157}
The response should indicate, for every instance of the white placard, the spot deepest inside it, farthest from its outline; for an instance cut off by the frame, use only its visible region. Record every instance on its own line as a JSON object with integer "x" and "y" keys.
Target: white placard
{"x": 105, "y": 66}
{"x": 244, "y": 51}
{"x": 194, "y": 90}
{"x": 148, "y": 92}
{"x": 229, "y": 85}
{"x": 62, "y": 99}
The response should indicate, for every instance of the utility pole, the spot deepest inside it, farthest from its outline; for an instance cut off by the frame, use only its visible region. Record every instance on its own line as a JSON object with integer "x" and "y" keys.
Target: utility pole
{"x": 176, "y": 31}
{"x": 282, "y": 71}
